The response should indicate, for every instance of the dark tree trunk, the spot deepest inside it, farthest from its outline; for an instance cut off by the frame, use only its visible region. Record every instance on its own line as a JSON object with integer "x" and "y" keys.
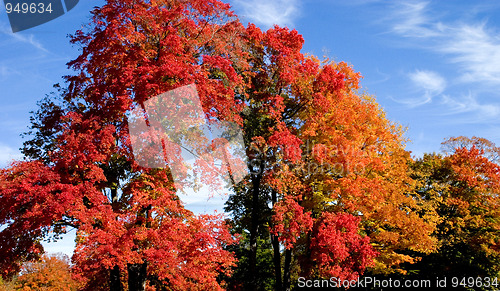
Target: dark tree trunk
{"x": 137, "y": 274}
{"x": 277, "y": 253}
{"x": 115, "y": 283}
{"x": 254, "y": 224}
{"x": 254, "y": 227}
{"x": 307, "y": 264}
{"x": 286, "y": 273}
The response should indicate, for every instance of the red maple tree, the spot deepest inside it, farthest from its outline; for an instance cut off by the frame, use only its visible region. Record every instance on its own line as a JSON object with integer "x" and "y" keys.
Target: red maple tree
{"x": 82, "y": 173}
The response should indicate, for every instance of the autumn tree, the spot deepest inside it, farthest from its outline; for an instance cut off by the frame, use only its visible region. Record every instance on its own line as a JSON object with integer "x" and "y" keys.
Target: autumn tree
{"x": 51, "y": 272}
{"x": 462, "y": 187}
{"x": 80, "y": 172}
{"x": 7, "y": 285}
{"x": 328, "y": 187}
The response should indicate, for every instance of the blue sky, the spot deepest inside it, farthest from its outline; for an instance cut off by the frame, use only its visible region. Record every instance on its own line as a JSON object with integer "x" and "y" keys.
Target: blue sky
{"x": 434, "y": 66}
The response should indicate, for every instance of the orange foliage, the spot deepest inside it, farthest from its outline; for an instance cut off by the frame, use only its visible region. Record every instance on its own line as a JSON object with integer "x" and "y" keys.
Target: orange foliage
{"x": 51, "y": 272}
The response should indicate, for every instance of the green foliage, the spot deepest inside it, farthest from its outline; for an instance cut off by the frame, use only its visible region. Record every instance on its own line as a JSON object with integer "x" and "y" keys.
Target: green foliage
{"x": 264, "y": 278}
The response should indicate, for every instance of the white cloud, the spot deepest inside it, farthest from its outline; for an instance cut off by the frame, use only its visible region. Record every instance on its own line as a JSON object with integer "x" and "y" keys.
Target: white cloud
{"x": 411, "y": 20}
{"x": 8, "y": 154}
{"x": 469, "y": 103}
{"x": 429, "y": 81}
{"x": 471, "y": 46}
{"x": 270, "y": 12}
{"x": 474, "y": 47}
{"x": 65, "y": 245}
{"x": 476, "y": 50}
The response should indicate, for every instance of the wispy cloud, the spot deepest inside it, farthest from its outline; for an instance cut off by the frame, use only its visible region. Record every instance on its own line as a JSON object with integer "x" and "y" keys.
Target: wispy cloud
{"x": 6, "y": 71}
{"x": 21, "y": 37}
{"x": 477, "y": 50}
{"x": 427, "y": 83}
{"x": 473, "y": 46}
{"x": 469, "y": 103}
{"x": 411, "y": 20}
{"x": 270, "y": 12}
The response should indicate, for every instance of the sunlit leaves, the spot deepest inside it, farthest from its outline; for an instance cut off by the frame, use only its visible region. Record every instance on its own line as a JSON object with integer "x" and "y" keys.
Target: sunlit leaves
{"x": 338, "y": 249}
{"x": 461, "y": 189}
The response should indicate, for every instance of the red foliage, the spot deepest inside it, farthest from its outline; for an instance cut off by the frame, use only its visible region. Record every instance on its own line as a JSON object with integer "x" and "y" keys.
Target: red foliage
{"x": 32, "y": 199}
{"x": 125, "y": 214}
{"x": 338, "y": 249}
{"x": 290, "y": 221}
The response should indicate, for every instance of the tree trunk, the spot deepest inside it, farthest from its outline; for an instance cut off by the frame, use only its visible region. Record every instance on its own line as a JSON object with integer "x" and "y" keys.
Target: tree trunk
{"x": 286, "y": 273}
{"x": 137, "y": 274}
{"x": 306, "y": 269}
{"x": 115, "y": 283}
{"x": 277, "y": 253}
{"x": 277, "y": 262}
{"x": 254, "y": 229}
